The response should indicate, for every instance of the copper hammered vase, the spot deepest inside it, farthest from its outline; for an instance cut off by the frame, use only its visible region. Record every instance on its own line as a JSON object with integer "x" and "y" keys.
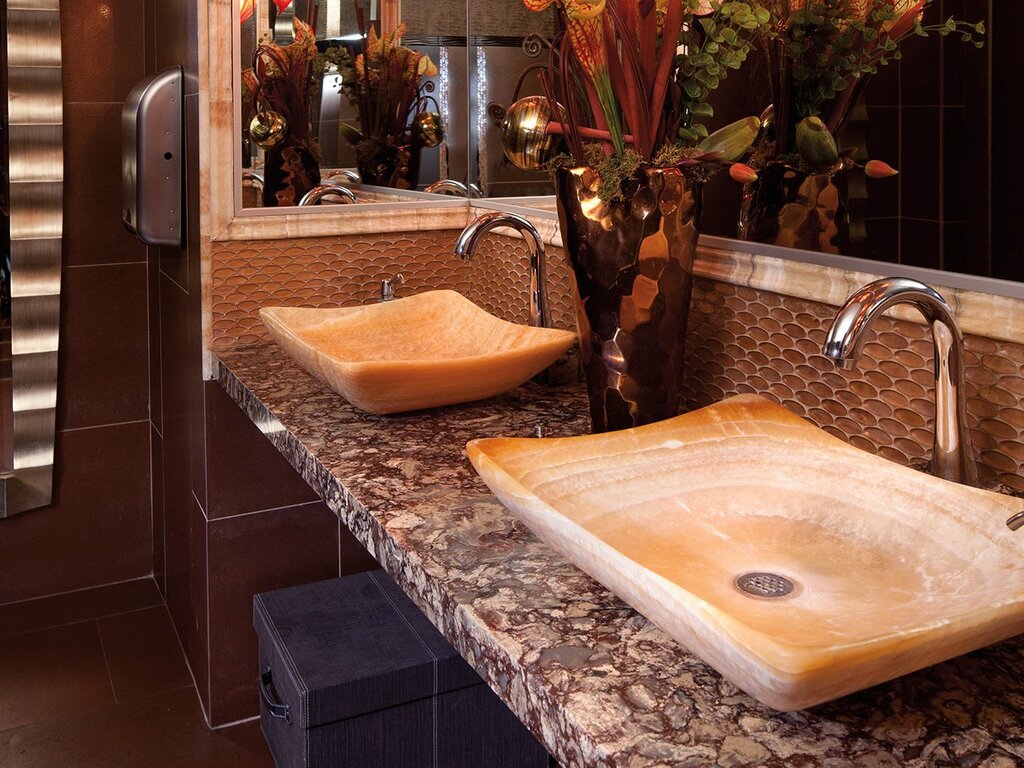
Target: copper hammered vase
{"x": 632, "y": 261}
{"x": 794, "y": 209}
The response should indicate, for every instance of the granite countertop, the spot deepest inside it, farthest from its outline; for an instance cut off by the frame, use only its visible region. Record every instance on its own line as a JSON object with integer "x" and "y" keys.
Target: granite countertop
{"x": 597, "y": 683}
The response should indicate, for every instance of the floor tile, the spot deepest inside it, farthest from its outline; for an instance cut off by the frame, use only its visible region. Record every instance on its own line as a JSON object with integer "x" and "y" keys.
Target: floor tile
{"x": 167, "y": 732}
{"x": 74, "y": 607}
{"x": 49, "y": 675}
{"x": 143, "y": 654}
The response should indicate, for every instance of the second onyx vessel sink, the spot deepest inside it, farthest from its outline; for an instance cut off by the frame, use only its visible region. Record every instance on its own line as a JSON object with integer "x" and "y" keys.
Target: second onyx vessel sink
{"x": 799, "y": 567}
{"x": 432, "y": 349}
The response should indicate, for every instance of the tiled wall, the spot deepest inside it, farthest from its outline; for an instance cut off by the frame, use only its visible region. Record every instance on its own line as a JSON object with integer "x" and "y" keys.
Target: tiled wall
{"x": 739, "y": 339}
{"x": 231, "y": 518}
{"x": 928, "y": 115}
{"x": 98, "y": 529}
{"x": 347, "y": 271}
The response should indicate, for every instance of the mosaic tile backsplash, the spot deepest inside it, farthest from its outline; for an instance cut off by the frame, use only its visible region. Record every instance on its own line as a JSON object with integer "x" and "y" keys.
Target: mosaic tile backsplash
{"x": 740, "y": 339}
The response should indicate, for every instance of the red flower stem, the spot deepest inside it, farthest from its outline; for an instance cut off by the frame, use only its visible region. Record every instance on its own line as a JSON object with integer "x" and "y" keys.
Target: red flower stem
{"x": 590, "y": 133}
{"x": 666, "y": 55}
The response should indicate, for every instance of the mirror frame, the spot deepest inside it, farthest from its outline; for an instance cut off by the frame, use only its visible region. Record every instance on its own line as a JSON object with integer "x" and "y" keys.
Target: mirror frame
{"x": 36, "y": 182}
{"x": 220, "y": 118}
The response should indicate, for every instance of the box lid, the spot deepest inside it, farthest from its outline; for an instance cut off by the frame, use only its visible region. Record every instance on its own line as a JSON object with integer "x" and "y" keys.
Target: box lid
{"x": 354, "y": 645}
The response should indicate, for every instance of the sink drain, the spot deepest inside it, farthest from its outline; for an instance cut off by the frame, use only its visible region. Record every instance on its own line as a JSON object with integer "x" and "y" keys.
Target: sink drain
{"x": 766, "y": 585}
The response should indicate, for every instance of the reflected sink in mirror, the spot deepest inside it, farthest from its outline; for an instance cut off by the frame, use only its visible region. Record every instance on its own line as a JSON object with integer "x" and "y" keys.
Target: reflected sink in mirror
{"x": 799, "y": 567}
{"x": 432, "y": 349}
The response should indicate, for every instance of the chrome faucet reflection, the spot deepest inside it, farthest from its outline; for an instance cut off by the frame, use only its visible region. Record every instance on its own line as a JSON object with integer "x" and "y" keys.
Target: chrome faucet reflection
{"x": 540, "y": 315}
{"x": 342, "y": 173}
{"x": 953, "y": 456}
{"x": 319, "y": 192}
{"x": 456, "y": 188}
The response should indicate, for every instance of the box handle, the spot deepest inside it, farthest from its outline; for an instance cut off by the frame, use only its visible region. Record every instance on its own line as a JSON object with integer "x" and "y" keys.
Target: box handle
{"x": 276, "y": 709}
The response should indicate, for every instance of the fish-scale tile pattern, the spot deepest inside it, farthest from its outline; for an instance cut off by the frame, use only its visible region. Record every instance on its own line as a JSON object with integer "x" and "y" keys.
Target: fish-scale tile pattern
{"x": 747, "y": 341}
{"x": 346, "y": 271}
{"x": 500, "y": 281}
{"x": 740, "y": 339}
{"x": 322, "y": 272}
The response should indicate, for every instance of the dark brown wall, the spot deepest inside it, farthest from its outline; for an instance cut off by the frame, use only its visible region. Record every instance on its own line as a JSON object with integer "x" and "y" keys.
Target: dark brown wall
{"x": 231, "y": 517}
{"x": 98, "y": 530}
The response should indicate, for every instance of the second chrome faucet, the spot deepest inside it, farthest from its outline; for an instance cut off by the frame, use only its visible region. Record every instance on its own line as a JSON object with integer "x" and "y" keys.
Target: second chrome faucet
{"x": 465, "y": 247}
{"x": 953, "y": 456}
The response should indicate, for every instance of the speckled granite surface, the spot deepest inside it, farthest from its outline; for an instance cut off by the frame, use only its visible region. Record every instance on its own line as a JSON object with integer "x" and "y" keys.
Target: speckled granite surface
{"x": 595, "y": 681}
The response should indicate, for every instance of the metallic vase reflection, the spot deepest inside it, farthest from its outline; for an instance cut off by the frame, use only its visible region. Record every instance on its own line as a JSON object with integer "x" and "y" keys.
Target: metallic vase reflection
{"x": 794, "y": 209}
{"x": 632, "y": 261}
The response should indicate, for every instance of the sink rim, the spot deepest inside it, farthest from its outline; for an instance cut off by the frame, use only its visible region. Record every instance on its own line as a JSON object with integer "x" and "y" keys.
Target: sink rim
{"x": 545, "y": 337}
{"x": 789, "y": 667}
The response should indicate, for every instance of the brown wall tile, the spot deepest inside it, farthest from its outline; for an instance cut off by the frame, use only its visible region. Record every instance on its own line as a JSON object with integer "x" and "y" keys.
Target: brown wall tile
{"x": 104, "y": 346}
{"x": 245, "y": 472}
{"x": 103, "y": 48}
{"x": 98, "y": 529}
{"x": 93, "y": 232}
{"x": 248, "y": 555}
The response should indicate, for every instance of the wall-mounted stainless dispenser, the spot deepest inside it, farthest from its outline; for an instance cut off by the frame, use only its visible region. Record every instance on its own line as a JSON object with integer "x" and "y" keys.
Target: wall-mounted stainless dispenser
{"x": 152, "y": 166}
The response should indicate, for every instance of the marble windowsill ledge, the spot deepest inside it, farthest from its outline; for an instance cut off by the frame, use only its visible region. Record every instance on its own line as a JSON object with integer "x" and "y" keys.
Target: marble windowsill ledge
{"x": 594, "y": 680}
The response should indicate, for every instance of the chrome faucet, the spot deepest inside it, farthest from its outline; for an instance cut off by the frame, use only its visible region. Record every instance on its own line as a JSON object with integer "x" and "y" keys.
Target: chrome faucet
{"x": 255, "y": 178}
{"x": 320, "y": 191}
{"x": 342, "y": 173}
{"x": 389, "y": 288}
{"x": 540, "y": 315}
{"x": 953, "y": 456}
{"x": 453, "y": 187}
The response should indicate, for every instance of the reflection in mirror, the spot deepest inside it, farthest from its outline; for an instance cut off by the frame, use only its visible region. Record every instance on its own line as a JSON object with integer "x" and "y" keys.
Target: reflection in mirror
{"x": 397, "y": 125}
{"x": 509, "y": 44}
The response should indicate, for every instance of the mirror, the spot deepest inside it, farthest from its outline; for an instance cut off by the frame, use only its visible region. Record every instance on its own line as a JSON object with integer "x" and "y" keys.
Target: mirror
{"x": 409, "y": 129}
{"x": 31, "y": 194}
{"x": 944, "y": 116}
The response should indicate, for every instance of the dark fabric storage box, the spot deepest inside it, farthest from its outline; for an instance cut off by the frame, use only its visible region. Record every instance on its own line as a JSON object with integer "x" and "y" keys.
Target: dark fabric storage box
{"x": 354, "y": 675}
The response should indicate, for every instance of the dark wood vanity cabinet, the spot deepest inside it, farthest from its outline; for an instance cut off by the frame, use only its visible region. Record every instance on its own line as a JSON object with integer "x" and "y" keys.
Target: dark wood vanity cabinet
{"x": 352, "y": 674}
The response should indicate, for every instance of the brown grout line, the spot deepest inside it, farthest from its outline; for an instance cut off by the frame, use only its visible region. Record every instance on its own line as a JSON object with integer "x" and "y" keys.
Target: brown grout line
{"x": 261, "y": 511}
{"x": 84, "y": 621}
{"x": 106, "y": 662}
{"x": 188, "y": 665}
{"x": 105, "y": 264}
{"x": 76, "y": 591}
{"x": 107, "y": 426}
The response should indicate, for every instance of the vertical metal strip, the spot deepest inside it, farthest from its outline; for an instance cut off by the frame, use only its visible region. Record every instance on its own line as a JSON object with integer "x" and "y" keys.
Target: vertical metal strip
{"x": 36, "y": 182}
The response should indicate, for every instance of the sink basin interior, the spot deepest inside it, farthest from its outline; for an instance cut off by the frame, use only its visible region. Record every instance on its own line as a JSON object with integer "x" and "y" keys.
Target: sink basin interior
{"x": 891, "y": 569}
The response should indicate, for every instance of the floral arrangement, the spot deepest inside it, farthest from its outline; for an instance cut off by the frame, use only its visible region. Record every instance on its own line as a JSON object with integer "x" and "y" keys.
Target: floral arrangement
{"x": 820, "y": 55}
{"x": 278, "y": 89}
{"x": 631, "y": 79}
{"x": 386, "y": 85}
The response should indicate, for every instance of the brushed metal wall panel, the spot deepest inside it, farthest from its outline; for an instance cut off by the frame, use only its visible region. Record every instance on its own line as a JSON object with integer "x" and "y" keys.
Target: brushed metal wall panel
{"x": 34, "y": 96}
{"x": 37, "y": 210}
{"x": 33, "y": 331}
{"x": 34, "y": 5}
{"x": 29, "y": 34}
{"x": 36, "y": 194}
{"x": 39, "y": 157}
{"x": 38, "y": 267}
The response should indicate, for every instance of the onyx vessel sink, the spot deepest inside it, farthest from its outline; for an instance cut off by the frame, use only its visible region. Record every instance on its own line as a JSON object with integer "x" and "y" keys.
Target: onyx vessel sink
{"x": 799, "y": 567}
{"x": 432, "y": 349}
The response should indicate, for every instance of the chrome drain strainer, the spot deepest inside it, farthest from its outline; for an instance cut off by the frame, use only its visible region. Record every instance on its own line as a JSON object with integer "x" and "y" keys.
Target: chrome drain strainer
{"x": 766, "y": 585}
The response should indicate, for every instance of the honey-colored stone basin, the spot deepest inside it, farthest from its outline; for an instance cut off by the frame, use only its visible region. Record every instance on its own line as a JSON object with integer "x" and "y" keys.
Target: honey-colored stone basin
{"x": 432, "y": 349}
{"x": 892, "y": 570}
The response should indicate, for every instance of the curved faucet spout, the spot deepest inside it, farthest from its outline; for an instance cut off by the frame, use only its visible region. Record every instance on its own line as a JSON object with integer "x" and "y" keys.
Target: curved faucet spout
{"x": 465, "y": 247}
{"x": 953, "y": 456}
{"x": 317, "y": 193}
